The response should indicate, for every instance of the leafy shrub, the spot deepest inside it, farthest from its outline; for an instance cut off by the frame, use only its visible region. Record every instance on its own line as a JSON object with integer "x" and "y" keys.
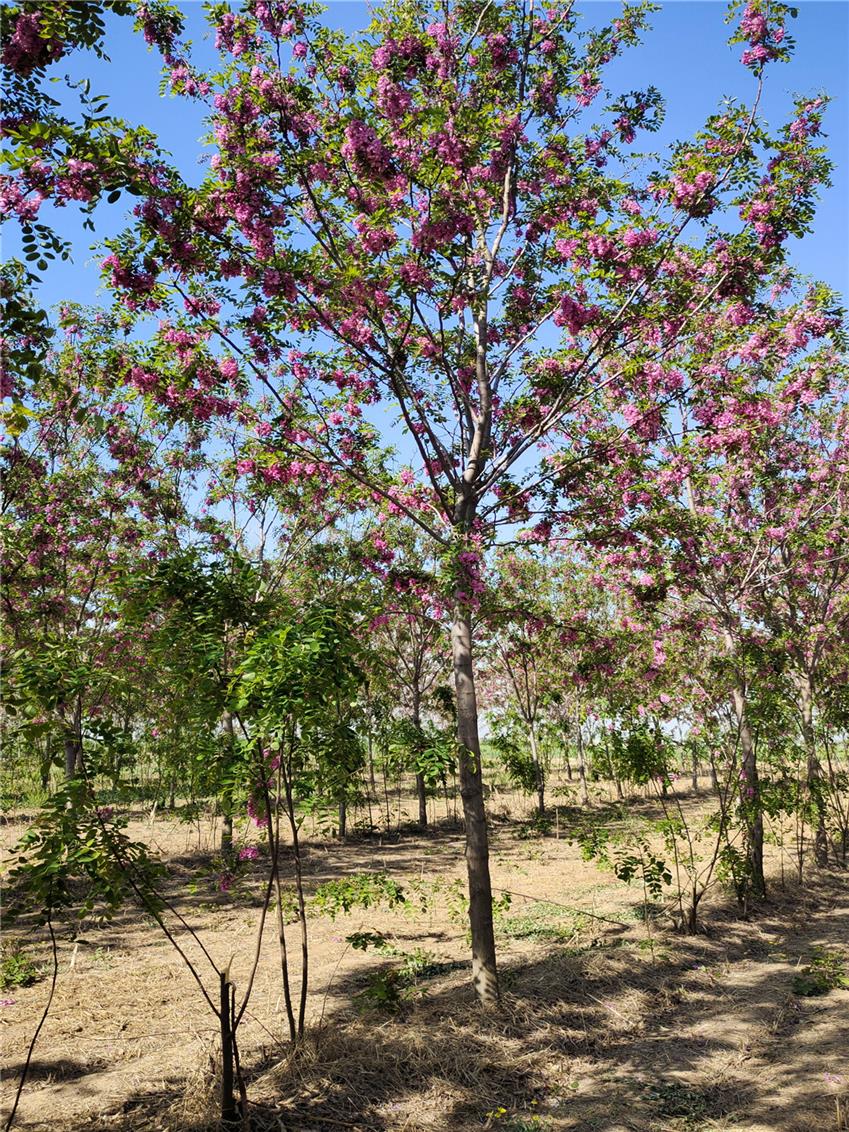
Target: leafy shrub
{"x": 389, "y": 989}
{"x": 359, "y": 890}
{"x": 826, "y": 971}
{"x": 16, "y": 968}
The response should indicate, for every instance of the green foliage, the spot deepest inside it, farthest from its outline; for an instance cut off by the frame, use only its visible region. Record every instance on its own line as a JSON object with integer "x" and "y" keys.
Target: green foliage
{"x": 331, "y": 754}
{"x": 431, "y": 751}
{"x": 362, "y": 941}
{"x": 511, "y": 743}
{"x": 645, "y": 865}
{"x": 387, "y": 990}
{"x": 27, "y": 336}
{"x": 297, "y": 670}
{"x": 539, "y": 921}
{"x": 359, "y": 890}
{"x": 198, "y": 596}
{"x": 110, "y": 750}
{"x": 733, "y": 868}
{"x": 77, "y": 857}
{"x": 382, "y": 991}
{"x": 298, "y": 685}
{"x": 40, "y": 680}
{"x": 17, "y": 969}
{"x": 826, "y": 971}
{"x": 628, "y": 853}
{"x": 640, "y": 754}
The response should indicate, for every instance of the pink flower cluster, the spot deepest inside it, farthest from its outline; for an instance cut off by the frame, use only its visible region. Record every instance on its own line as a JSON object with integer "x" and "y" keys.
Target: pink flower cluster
{"x": 764, "y": 40}
{"x": 15, "y": 199}
{"x": 692, "y": 196}
{"x": 127, "y": 278}
{"x": 572, "y": 315}
{"x": 27, "y": 50}
{"x": 364, "y": 148}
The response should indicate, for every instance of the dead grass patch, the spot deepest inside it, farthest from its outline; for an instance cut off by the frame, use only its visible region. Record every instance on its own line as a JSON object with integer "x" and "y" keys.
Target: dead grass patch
{"x": 623, "y": 1026}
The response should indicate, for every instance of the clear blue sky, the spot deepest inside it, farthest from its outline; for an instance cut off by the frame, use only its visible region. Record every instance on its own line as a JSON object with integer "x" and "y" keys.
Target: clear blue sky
{"x": 685, "y": 55}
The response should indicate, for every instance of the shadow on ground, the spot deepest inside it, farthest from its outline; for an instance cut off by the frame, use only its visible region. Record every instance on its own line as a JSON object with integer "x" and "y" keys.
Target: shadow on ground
{"x": 605, "y": 1035}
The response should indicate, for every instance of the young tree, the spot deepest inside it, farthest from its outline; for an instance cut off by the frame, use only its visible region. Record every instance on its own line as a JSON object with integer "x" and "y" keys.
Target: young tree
{"x": 90, "y": 495}
{"x": 723, "y": 505}
{"x": 525, "y": 622}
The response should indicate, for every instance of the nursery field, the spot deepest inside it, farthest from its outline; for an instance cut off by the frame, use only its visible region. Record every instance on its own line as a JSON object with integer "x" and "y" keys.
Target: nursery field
{"x": 610, "y": 1020}
{"x": 424, "y": 566}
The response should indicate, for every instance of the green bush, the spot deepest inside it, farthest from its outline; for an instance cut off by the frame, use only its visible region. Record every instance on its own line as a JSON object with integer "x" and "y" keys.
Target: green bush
{"x": 16, "y": 968}
{"x": 825, "y": 972}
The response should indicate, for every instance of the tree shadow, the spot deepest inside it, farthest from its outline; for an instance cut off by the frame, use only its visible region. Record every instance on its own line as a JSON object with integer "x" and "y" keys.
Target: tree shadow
{"x": 46, "y": 1070}
{"x": 615, "y": 1031}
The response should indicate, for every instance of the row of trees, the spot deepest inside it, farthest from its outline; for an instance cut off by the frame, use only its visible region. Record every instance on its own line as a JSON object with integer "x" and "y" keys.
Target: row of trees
{"x": 130, "y": 614}
{"x": 439, "y": 230}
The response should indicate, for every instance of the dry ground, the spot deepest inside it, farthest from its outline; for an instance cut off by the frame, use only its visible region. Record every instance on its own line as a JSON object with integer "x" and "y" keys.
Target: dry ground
{"x": 606, "y": 1026}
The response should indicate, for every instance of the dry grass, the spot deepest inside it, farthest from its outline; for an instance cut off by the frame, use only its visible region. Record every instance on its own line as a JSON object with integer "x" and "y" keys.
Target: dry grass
{"x": 606, "y": 1026}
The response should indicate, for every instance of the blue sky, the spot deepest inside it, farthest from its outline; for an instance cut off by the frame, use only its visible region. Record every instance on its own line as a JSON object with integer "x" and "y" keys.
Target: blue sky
{"x": 685, "y": 55}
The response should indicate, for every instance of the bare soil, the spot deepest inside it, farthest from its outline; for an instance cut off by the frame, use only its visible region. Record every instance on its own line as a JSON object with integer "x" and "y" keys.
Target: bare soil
{"x": 610, "y": 1019}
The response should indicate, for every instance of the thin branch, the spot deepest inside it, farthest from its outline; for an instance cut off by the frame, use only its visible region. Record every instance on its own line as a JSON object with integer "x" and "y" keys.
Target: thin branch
{"x": 41, "y": 1021}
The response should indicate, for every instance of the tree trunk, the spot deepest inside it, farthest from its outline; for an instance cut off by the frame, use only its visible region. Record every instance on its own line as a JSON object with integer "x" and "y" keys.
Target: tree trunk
{"x": 421, "y": 792}
{"x": 484, "y": 971}
{"x": 272, "y": 817}
{"x": 386, "y": 799}
{"x": 714, "y": 777}
{"x": 72, "y": 752}
{"x": 813, "y": 769}
{"x": 658, "y": 738}
{"x": 226, "y": 794}
{"x": 73, "y": 747}
{"x": 372, "y": 783}
{"x": 538, "y": 775}
{"x": 228, "y": 1099}
{"x": 45, "y": 763}
{"x": 617, "y": 781}
{"x": 302, "y": 907}
{"x": 74, "y": 743}
{"x": 750, "y": 799}
{"x": 226, "y": 835}
{"x": 582, "y": 766}
{"x": 343, "y": 819}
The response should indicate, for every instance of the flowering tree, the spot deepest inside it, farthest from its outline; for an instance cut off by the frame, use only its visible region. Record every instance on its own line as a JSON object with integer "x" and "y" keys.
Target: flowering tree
{"x": 407, "y": 639}
{"x": 89, "y": 497}
{"x": 724, "y": 500}
{"x": 424, "y": 222}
